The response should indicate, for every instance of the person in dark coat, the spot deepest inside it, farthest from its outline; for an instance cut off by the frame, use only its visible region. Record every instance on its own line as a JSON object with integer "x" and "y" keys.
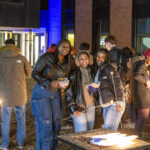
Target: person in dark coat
{"x": 111, "y": 93}
{"x": 13, "y": 69}
{"x": 46, "y": 96}
{"x": 114, "y": 51}
{"x": 80, "y": 103}
{"x": 141, "y": 89}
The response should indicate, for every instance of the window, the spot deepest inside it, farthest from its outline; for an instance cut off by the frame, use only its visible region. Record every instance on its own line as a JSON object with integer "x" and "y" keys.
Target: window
{"x": 68, "y": 21}
{"x": 143, "y": 34}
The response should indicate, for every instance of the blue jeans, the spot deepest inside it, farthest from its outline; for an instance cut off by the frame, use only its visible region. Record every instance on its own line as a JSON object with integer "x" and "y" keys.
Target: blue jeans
{"x": 111, "y": 117}
{"x": 47, "y": 111}
{"x": 21, "y": 127}
{"x": 85, "y": 121}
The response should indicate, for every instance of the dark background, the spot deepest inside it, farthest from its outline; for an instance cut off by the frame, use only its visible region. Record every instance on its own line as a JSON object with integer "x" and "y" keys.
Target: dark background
{"x": 20, "y": 13}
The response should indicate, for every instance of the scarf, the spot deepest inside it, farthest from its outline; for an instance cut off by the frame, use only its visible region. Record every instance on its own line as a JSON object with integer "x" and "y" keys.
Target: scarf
{"x": 86, "y": 76}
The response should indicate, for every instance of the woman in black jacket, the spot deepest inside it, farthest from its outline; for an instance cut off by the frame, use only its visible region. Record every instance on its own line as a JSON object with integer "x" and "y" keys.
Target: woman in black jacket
{"x": 79, "y": 103}
{"x": 111, "y": 95}
{"x": 46, "y": 96}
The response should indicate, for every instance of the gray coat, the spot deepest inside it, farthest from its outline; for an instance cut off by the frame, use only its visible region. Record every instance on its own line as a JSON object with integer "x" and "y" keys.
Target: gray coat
{"x": 13, "y": 69}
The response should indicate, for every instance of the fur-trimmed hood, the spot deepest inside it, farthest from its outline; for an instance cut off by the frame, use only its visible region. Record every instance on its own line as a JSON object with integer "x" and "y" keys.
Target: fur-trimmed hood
{"x": 9, "y": 51}
{"x": 134, "y": 60}
{"x": 77, "y": 59}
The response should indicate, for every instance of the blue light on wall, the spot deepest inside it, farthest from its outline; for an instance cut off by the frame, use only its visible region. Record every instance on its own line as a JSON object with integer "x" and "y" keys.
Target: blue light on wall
{"x": 44, "y": 19}
{"x": 55, "y": 13}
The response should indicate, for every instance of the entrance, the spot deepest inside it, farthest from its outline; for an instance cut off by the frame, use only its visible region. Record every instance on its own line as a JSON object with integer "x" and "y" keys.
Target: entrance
{"x": 32, "y": 44}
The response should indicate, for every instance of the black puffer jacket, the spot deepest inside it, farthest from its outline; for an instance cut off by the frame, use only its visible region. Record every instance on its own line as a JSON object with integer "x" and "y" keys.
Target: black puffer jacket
{"x": 74, "y": 93}
{"x": 106, "y": 84}
{"x": 48, "y": 68}
{"x": 141, "y": 95}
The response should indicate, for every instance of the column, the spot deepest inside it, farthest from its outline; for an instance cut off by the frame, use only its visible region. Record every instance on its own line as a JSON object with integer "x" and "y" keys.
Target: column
{"x": 83, "y": 22}
{"x": 121, "y": 21}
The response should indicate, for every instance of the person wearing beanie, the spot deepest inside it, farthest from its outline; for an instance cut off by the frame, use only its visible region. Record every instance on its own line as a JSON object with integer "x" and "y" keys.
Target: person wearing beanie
{"x": 141, "y": 91}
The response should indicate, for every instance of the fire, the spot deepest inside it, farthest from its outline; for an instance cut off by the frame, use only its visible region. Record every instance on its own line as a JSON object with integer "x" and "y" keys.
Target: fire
{"x": 113, "y": 139}
{"x": 0, "y": 102}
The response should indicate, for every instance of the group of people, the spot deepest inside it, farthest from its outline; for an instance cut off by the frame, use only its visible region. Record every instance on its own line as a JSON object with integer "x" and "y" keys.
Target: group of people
{"x": 95, "y": 81}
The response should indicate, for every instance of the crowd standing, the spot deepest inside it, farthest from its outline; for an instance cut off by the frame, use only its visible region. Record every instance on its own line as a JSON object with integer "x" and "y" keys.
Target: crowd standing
{"x": 113, "y": 79}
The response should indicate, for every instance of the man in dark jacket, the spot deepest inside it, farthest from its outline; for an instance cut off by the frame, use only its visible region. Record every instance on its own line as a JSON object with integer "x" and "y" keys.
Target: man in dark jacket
{"x": 115, "y": 52}
{"x": 13, "y": 69}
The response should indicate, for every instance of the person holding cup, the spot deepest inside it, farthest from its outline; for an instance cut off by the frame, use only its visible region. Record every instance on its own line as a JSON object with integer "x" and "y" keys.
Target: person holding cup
{"x": 46, "y": 97}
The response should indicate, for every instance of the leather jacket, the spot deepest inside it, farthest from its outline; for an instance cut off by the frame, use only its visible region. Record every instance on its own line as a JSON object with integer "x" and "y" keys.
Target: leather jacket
{"x": 74, "y": 94}
{"x": 109, "y": 83}
{"x": 48, "y": 68}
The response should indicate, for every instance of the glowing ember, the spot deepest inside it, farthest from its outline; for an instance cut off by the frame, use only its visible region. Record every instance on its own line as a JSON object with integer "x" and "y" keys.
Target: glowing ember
{"x": 113, "y": 139}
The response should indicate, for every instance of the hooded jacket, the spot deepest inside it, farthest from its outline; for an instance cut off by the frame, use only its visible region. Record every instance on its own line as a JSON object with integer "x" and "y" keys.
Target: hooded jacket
{"x": 74, "y": 94}
{"x": 13, "y": 69}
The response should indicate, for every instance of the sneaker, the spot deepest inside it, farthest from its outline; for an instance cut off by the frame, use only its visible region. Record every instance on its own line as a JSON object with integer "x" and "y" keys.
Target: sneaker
{"x": 3, "y": 148}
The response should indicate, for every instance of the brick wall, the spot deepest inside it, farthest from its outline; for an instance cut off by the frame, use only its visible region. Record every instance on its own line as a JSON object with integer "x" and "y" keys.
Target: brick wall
{"x": 83, "y": 22}
{"x": 121, "y": 21}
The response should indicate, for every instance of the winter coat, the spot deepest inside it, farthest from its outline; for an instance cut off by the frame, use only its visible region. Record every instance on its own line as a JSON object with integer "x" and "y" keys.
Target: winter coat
{"x": 75, "y": 100}
{"x": 13, "y": 69}
{"x": 107, "y": 88}
{"x": 48, "y": 68}
{"x": 141, "y": 95}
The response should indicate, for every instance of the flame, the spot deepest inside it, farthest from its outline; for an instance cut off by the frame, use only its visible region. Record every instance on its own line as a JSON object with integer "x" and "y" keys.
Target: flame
{"x": 114, "y": 139}
{"x": 0, "y": 102}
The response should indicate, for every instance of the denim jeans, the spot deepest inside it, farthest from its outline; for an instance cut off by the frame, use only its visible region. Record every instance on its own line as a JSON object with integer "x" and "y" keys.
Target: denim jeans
{"x": 47, "y": 112}
{"x": 85, "y": 121}
{"x": 111, "y": 117}
{"x": 21, "y": 127}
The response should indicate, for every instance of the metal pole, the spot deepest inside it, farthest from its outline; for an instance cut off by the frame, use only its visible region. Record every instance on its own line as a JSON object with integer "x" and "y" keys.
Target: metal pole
{"x": 83, "y": 112}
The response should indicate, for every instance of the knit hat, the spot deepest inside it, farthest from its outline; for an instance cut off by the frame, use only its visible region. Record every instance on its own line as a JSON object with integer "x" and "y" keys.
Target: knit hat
{"x": 147, "y": 53}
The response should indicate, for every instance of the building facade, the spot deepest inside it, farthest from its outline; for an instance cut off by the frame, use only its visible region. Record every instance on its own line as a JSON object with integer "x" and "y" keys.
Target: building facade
{"x": 93, "y": 20}
{"x": 36, "y": 24}
{"x": 22, "y": 20}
